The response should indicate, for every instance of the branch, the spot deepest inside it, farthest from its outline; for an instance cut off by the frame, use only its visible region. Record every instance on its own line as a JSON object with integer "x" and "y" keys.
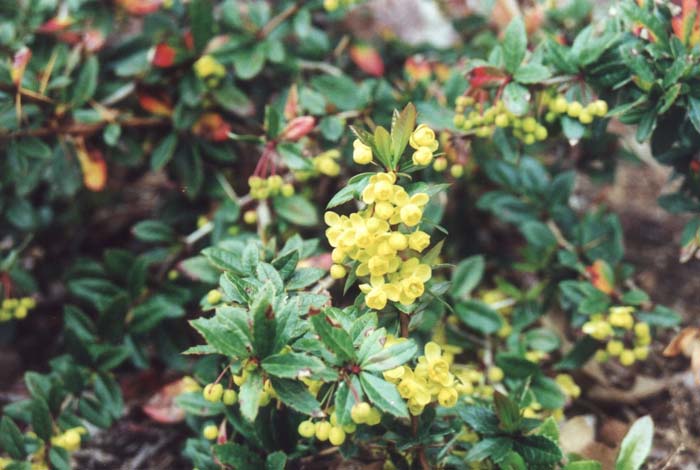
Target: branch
{"x": 77, "y": 129}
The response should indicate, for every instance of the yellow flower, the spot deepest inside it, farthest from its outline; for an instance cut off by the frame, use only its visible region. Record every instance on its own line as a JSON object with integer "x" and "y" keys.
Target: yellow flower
{"x": 418, "y": 240}
{"x": 438, "y": 368}
{"x": 627, "y": 357}
{"x": 615, "y": 347}
{"x": 411, "y": 215}
{"x": 621, "y": 317}
{"x": 448, "y": 397}
{"x": 423, "y": 136}
{"x": 395, "y": 374}
{"x": 422, "y": 157}
{"x": 361, "y": 154}
{"x": 338, "y": 271}
{"x": 495, "y": 374}
{"x": 208, "y": 67}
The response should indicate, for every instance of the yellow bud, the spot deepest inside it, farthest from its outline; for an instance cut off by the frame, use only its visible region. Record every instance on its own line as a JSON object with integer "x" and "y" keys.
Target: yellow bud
{"x": 560, "y": 105}
{"x": 374, "y": 417}
{"x": 541, "y": 133}
{"x": 601, "y": 356}
{"x": 422, "y": 157}
{"x": 323, "y": 429}
{"x": 336, "y": 436}
{"x": 574, "y": 109}
{"x": 250, "y": 217}
{"x": 287, "y": 190}
{"x": 214, "y": 296}
{"x": 210, "y": 432}
{"x": 398, "y": 241}
{"x": 585, "y": 117}
{"x": 362, "y": 154}
{"x": 440, "y": 164}
{"x": 501, "y": 120}
{"x": 306, "y": 429}
{"x": 600, "y": 108}
{"x": 230, "y": 397}
{"x": 615, "y": 347}
{"x": 338, "y": 271}
{"x": 627, "y": 357}
{"x": 495, "y": 374}
{"x": 457, "y": 171}
{"x": 641, "y": 352}
{"x": 360, "y": 412}
{"x": 213, "y": 392}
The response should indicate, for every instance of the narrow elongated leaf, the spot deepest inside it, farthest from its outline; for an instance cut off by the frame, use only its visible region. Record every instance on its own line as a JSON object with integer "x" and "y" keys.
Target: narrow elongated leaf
{"x": 636, "y": 445}
{"x": 335, "y": 338}
{"x": 249, "y": 396}
{"x": 391, "y": 357}
{"x": 383, "y": 395}
{"x": 296, "y": 395}
{"x": 292, "y": 365}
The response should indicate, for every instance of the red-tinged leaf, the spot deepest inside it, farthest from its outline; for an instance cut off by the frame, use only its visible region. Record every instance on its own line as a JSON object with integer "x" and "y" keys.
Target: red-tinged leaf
{"x": 480, "y": 77}
{"x": 55, "y": 24}
{"x": 418, "y": 68}
{"x": 601, "y": 276}
{"x": 161, "y": 406}
{"x": 189, "y": 40}
{"x": 322, "y": 261}
{"x": 19, "y": 64}
{"x": 212, "y": 126}
{"x": 93, "y": 40}
{"x": 686, "y": 24}
{"x": 140, "y": 7}
{"x": 94, "y": 167}
{"x": 69, "y": 37}
{"x": 367, "y": 59}
{"x": 298, "y": 128}
{"x": 291, "y": 106}
{"x": 163, "y": 55}
{"x": 159, "y": 106}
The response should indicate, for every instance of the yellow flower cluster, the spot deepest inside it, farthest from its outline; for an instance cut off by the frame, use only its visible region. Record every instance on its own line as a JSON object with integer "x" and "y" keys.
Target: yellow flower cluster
{"x": 326, "y": 163}
{"x": 69, "y": 439}
{"x": 430, "y": 381}
{"x": 210, "y": 70}
{"x": 262, "y": 188}
{"x": 327, "y": 430}
{"x": 422, "y": 140}
{"x": 386, "y": 253}
{"x": 16, "y": 308}
{"x": 558, "y": 105}
{"x": 614, "y": 329}
{"x": 483, "y": 122}
{"x": 568, "y": 386}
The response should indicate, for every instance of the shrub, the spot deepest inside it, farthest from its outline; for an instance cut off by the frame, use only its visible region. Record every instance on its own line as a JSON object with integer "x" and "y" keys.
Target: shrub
{"x": 381, "y": 260}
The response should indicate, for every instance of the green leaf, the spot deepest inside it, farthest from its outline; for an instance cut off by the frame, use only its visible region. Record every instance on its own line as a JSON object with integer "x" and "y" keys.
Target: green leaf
{"x": 532, "y": 73}
{"x": 694, "y": 112}
{"x": 249, "y": 395}
{"x": 163, "y": 152}
{"x": 383, "y": 395}
{"x": 227, "y": 331}
{"x": 382, "y": 146}
{"x": 297, "y": 210}
{"x": 224, "y": 259}
{"x": 238, "y": 456}
{"x": 479, "y": 316}
{"x": 276, "y": 461}
{"x": 542, "y": 339}
{"x": 490, "y": 447}
{"x": 537, "y": 450}
{"x": 345, "y": 399}
{"x": 297, "y": 396}
{"x": 248, "y": 63}
{"x": 516, "y": 98}
{"x": 292, "y": 365}
{"x": 583, "y": 465}
{"x": 636, "y": 445}
{"x": 340, "y": 90}
{"x": 146, "y": 316}
{"x": 467, "y": 276}
{"x": 59, "y": 458}
{"x": 11, "y": 440}
{"x": 201, "y": 21}
{"x": 481, "y": 419}
{"x": 538, "y": 234}
{"x": 86, "y": 84}
{"x": 391, "y": 357}
{"x": 547, "y": 392}
{"x": 514, "y": 44}
{"x": 304, "y": 277}
{"x": 402, "y": 125}
{"x": 41, "y": 419}
{"x": 334, "y": 337}
{"x": 507, "y": 411}
{"x": 153, "y": 231}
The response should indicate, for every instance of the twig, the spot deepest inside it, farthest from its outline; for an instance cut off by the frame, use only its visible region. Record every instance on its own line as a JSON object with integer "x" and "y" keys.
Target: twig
{"x": 277, "y": 20}
{"x": 84, "y": 129}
